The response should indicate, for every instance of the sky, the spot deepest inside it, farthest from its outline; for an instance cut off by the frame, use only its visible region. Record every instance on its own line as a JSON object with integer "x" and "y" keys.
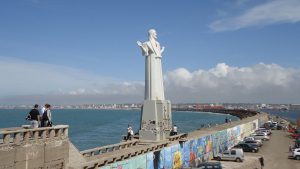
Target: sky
{"x": 78, "y": 52}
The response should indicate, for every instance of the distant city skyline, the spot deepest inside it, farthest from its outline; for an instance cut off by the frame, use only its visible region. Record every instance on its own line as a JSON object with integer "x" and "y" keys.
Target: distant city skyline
{"x": 76, "y": 52}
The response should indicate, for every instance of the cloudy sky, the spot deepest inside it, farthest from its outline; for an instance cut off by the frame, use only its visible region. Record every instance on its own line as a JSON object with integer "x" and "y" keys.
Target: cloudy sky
{"x": 75, "y": 52}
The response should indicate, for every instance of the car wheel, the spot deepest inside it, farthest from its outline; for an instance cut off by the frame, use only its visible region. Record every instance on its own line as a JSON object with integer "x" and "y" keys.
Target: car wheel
{"x": 297, "y": 157}
{"x": 238, "y": 160}
{"x": 219, "y": 158}
{"x": 253, "y": 151}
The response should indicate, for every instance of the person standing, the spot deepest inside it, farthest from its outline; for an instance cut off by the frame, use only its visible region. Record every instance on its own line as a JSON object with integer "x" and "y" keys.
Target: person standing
{"x": 41, "y": 114}
{"x": 47, "y": 117}
{"x": 174, "y": 130}
{"x": 34, "y": 116}
{"x": 129, "y": 131}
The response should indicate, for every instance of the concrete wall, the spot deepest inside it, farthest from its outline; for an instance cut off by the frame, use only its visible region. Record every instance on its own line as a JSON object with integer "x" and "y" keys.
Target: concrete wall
{"x": 191, "y": 152}
{"x": 35, "y": 149}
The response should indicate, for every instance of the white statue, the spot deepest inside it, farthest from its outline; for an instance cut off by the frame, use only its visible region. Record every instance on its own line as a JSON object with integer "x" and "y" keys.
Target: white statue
{"x": 154, "y": 88}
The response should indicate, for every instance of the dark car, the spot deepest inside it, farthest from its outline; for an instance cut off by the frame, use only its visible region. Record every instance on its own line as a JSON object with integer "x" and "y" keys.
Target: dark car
{"x": 254, "y": 143}
{"x": 247, "y": 147}
{"x": 207, "y": 165}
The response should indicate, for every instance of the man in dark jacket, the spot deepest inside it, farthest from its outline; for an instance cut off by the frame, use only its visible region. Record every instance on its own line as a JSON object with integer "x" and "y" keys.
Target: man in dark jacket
{"x": 34, "y": 116}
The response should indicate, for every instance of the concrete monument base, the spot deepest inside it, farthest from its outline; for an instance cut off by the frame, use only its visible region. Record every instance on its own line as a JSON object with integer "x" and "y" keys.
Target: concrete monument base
{"x": 156, "y": 123}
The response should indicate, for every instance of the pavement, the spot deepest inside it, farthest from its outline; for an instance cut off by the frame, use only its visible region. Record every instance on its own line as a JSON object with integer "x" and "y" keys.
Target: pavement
{"x": 276, "y": 152}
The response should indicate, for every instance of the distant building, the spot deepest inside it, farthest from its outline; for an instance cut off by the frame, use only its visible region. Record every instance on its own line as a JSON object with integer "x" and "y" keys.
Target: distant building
{"x": 295, "y": 106}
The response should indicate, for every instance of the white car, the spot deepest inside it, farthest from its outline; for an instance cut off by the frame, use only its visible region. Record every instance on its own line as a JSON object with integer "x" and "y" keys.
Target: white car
{"x": 261, "y": 132}
{"x": 269, "y": 132}
{"x": 261, "y": 136}
{"x": 235, "y": 154}
{"x": 296, "y": 154}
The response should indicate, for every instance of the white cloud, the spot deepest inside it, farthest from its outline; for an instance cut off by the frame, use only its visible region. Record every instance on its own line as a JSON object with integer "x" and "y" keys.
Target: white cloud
{"x": 19, "y": 77}
{"x": 30, "y": 82}
{"x": 258, "y": 83}
{"x": 271, "y": 12}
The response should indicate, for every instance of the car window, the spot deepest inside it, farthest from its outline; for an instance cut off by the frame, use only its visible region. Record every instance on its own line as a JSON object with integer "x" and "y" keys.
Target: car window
{"x": 233, "y": 152}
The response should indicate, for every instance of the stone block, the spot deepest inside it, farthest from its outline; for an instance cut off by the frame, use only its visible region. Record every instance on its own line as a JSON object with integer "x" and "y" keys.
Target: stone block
{"x": 30, "y": 156}
{"x": 56, "y": 150}
{"x": 7, "y": 156}
{"x": 29, "y": 165}
{"x": 58, "y": 164}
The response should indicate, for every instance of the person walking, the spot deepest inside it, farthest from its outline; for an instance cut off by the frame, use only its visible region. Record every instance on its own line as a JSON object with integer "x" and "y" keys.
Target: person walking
{"x": 47, "y": 117}
{"x": 34, "y": 116}
{"x": 262, "y": 163}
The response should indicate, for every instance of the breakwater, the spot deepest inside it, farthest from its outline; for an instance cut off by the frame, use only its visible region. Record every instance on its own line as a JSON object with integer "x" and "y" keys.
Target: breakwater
{"x": 54, "y": 150}
{"x": 240, "y": 113}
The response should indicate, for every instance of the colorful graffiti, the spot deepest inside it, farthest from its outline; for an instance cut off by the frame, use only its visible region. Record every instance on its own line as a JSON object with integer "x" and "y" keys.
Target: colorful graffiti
{"x": 191, "y": 152}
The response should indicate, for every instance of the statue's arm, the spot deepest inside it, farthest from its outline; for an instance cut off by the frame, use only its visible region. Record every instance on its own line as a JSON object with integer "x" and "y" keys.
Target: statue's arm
{"x": 143, "y": 47}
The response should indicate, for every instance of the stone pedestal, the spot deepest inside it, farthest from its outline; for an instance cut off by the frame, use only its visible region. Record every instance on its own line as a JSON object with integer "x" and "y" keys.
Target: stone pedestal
{"x": 156, "y": 122}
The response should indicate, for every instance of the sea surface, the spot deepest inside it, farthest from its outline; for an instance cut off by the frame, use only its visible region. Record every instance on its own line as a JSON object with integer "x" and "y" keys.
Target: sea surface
{"x": 93, "y": 128}
{"x": 291, "y": 115}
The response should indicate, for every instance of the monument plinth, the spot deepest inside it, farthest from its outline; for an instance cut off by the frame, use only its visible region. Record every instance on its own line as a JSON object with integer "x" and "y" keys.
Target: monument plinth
{"x": 156, "y": 121}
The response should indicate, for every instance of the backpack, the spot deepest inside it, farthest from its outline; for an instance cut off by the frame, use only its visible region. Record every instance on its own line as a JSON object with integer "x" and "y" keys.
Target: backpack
{"x": 45, "y": 116}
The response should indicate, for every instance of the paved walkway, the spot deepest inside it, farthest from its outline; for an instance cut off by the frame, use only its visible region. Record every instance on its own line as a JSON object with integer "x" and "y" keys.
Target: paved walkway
{"x": 276, "y": 152}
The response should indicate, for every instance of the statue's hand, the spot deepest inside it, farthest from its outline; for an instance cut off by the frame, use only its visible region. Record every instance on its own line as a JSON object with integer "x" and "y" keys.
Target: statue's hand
{"x": 139, "y": 43}
{"x": 162, "y": 49}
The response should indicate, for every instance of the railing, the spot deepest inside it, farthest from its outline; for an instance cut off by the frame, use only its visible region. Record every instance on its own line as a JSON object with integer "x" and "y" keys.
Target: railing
{"x": 178, "y": 137}
{"x": 109, "y": 148}
{"x": 120, "y": 156}
{"x": 19, "y": 135}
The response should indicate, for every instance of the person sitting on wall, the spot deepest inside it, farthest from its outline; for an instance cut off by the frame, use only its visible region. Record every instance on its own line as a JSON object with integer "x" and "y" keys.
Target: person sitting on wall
{"x": 174, "y": 130}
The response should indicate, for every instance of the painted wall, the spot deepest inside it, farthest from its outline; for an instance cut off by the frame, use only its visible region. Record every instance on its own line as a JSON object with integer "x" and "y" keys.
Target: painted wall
{"x": 191, "y": 152}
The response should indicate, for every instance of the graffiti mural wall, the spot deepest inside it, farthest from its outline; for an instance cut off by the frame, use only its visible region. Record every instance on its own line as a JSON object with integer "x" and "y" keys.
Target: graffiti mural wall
{"x": 191, "y": 152}
{"x": 138, "y": 162}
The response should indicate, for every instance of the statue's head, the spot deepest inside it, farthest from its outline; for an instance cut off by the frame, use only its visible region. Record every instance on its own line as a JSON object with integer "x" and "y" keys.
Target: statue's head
{"x": 152, "y": 33}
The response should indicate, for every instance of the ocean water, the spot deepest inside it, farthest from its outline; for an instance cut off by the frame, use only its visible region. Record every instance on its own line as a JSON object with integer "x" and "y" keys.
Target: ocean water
{"x": 291, "y": 115}
{"x": 93, "y": 128}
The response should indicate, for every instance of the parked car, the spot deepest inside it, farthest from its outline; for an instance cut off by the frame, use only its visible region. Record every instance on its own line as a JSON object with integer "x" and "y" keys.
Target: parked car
{"x": 261, "y": 132}
{"x": 269, "y": 132}
{"x": 279, "y": 127}
{"x": 282, "y": 122}
{"x": 206, "y": 165}
{"x": 253, "y": 142}
{"x": 247, "y": 147}
{"x": 235, "y": 154}
{"x": 252, "y": 138}
{"x": 260, "y": 136}
{"x": 273, "y": 126}
{"x": 296, "y": 154}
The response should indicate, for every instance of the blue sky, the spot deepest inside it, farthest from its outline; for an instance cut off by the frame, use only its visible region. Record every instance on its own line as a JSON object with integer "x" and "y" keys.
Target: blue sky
{"x": 87, "y": 50}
